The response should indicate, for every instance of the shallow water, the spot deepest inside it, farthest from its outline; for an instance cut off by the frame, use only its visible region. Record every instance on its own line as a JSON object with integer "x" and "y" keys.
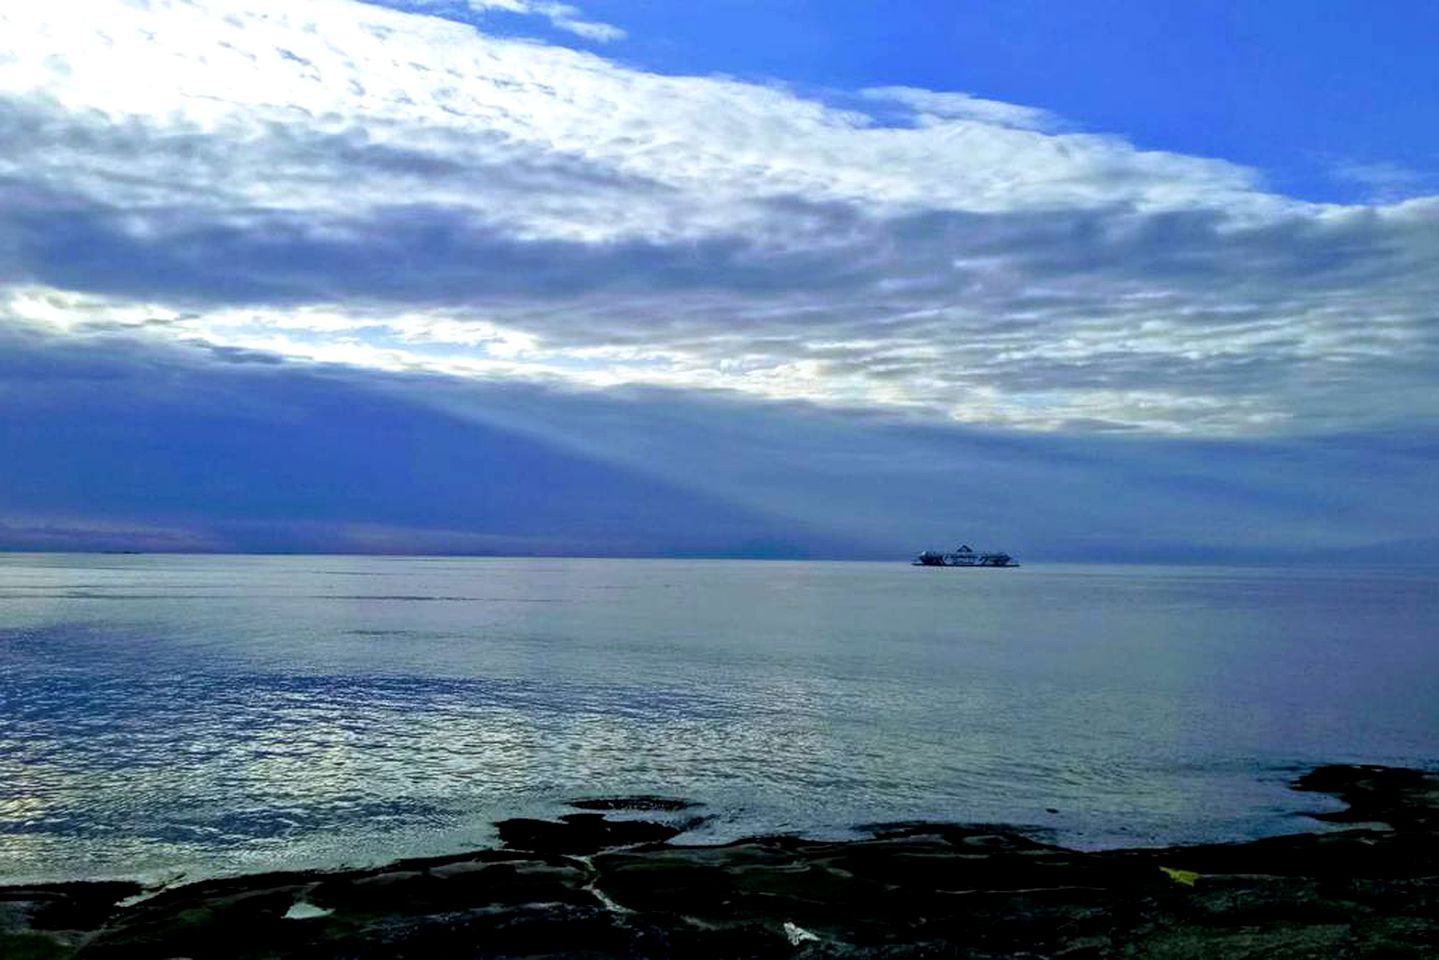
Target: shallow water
{"x": 167, "y": 714}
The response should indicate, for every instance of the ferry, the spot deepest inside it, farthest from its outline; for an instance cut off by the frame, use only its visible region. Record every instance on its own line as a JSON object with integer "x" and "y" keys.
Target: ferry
{"x": 965, "y": 556}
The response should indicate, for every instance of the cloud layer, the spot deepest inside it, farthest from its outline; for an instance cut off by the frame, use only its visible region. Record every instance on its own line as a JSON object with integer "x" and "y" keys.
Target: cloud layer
{"x": 113, "y": 442}
{"x": 346, "y": 183}
{"x": 562, "y": 16}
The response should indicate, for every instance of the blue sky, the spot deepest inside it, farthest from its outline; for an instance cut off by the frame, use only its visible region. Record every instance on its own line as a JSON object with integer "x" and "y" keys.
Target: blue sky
{"x": 1299, "y": 90}
{"x": 1335, "y": 102}
{"x": 1115, "y": 279}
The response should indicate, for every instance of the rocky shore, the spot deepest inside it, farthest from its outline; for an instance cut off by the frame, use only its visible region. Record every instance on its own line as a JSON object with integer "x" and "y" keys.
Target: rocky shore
{"x": 608, "y": 882}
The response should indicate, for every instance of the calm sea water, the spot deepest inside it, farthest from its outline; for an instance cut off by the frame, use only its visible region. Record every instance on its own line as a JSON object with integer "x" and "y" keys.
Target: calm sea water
{"x": 167, "y": 714}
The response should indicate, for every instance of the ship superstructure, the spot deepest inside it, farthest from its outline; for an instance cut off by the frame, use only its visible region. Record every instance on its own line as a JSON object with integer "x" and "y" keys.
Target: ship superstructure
{"x": 965, "y": 556}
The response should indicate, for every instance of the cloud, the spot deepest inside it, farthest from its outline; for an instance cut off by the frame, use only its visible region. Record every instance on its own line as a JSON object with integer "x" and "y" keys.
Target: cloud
{"x": 51, "y": 534}
{"x": 562, "y": 16}
{"x": 344, "y": 183}
{"x": 567, "y": 17}
{"x": 1385, "y": 182}
{"x": 934, "y": 107}
{"x": 114, "y": 441}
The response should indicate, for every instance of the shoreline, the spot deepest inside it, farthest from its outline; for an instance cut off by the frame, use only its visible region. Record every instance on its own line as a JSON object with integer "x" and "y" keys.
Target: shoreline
{"x": 589, "y": 885}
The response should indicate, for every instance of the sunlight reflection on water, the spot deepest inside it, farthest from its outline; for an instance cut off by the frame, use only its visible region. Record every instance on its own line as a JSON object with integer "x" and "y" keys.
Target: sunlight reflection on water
{"x": 214, "y": 714}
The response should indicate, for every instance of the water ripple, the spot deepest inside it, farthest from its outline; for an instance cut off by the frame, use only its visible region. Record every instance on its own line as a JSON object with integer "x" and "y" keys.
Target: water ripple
{"x": 224, "y": 714}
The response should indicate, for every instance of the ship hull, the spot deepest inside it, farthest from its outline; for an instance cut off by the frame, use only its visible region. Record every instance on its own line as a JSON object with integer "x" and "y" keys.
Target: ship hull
{"x": 963, "y": 557}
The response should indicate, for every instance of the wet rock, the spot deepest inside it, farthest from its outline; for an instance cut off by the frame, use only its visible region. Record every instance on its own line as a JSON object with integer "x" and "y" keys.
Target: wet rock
{"x": 50, "y": 920}
{"x": 584, "y": 833}
{"x": 63, "y": 906}
{"x": 1400, "y": 797}
{"x": 454, "y": 886}
{"x": 33, "y": 946}
{"x": 978, "y": 836}
{"x": 585, "y": 886}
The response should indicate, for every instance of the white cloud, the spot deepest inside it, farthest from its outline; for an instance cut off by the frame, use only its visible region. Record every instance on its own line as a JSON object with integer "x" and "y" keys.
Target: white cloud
{"x": 1385, "y": 182}
{"x": 568, "y": 17}
{"x": 254, "y": 74}
{"x": 562, "y": 16}
{"x": 347, "y": 183}
{"x": 936, "y": 107}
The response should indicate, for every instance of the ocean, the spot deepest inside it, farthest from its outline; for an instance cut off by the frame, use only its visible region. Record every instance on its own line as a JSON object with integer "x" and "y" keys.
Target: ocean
{"x": 164, "y": 715}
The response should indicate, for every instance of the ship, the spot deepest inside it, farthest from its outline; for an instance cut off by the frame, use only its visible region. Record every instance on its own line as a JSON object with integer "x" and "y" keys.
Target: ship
{"x": 965, "y": 556}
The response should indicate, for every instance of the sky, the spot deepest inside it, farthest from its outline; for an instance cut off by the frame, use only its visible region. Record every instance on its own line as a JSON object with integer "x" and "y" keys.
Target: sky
{"x": 1120, "y": 281}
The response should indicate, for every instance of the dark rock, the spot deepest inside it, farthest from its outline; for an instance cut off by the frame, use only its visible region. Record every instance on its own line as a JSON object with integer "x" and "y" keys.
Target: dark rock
{"x": 1400, "y": 797}
{"x": 584, "y": 833}
{"x": 585, "y": 886}
{"x": 66, "y": 906}
{"x": 32, "y": 946}
{"x": 977, "y": 836}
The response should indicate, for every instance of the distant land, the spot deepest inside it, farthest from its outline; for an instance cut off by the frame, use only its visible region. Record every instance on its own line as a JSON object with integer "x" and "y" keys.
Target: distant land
{"x": 1409, "y": 553}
